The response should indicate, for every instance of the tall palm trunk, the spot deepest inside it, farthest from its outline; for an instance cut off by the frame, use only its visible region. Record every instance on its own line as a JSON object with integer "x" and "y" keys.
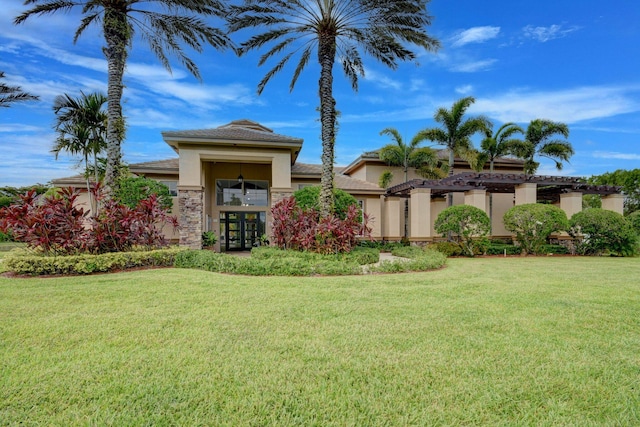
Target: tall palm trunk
{"x": 116, "y": 34}
{"x": 326, "y": 57}
{"x": 451, "y": 161}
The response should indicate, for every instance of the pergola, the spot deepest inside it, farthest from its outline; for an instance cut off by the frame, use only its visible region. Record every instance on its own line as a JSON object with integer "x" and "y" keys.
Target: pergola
{"x": 549, "y": 188}
{"x": 427, "y": 198}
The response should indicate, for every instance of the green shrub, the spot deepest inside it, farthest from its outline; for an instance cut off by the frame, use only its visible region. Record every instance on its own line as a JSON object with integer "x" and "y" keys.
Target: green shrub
{"x": 407, "y": 251}
{"x": 502, "y": 249}
{"x": 5, "y": 237}
{"x": 209, "y": 238}
{"x": 132, "y": 190}
{"x": 446, "y": 248}
{"x": 554, "y": 249}
{"x": 634, "y": 220}
{"x": 467, "y": 223}
{"x": 35, "y": 264}
{"x": 309, "y": 198}
{"x": 426, "y": 260}
{"x": 381, "y": 245}
{"x": 603, "y": 231}
{"x": 533, "y": 223}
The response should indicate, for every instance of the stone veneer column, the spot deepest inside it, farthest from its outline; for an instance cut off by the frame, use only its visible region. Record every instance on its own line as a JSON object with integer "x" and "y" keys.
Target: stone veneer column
{"x": 278, "y": 194}
{"x": 613, "y": 202}
{"x": 420, "y": 214}
{"x": 191, "y": 204}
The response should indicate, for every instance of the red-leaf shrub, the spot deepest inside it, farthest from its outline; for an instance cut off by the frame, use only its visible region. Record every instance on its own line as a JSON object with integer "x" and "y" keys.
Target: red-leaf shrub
{"x": 55, "y": 225}
{"x": 295, "y": 228}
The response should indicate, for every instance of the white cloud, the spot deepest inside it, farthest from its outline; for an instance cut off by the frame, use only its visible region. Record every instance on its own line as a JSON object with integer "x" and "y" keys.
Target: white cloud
{"x": 473, "y": 66}
{"x": 381, "y": 80}
{"x": 568, "y": 106}
{"x": 544, "y": 34}
{"x": 464, "y": 90}
{"x": 615, "y": 155}
{"x": 475, "y": 35}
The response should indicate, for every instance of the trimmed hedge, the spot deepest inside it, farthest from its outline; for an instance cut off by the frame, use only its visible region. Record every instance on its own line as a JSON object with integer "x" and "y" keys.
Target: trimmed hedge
{"x": 287, "y": 264}
{"x": 28, "y": 262}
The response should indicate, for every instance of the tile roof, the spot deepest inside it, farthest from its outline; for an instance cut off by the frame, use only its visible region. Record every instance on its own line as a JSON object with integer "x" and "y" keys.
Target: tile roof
{"x": 238, "y": 130}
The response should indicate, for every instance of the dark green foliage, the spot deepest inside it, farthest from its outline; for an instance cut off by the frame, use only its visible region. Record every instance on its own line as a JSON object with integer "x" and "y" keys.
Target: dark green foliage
{"x": 5, "y": 237}
{"x": 533, "y": 223}
{"x": 381, "y": 245}
{"x": 309, "y": 198}
{"x": 6, "y": 201}
{"x": 32, "y": 263}
{"x": 209, "y": 238}
{"x": 358, "y": 255}
{"x": 446, "y": 248}
{"x": 629, "y": 180}
{"x": 134, "y": 189}
{"x": 634, "y": 219}
{"x": 554, "y": 249}
{"x": 503, "y": 249}
{"x": 603, "y": 232}
{"x": 465, "y": 224}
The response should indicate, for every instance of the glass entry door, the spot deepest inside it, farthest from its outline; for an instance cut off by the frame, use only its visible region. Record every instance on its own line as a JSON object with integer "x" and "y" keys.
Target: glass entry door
{"x": 241, "y": 231}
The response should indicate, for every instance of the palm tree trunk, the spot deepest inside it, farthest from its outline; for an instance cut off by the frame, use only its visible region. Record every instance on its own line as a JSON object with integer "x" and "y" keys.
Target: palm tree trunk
{"x": 326, "y": 57}
{"x": 116, "y": 34}
{"x": 451, "y": 161}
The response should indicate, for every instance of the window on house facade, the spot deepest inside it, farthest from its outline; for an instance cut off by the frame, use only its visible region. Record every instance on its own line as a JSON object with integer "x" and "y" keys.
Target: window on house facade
{"x": 231, "y": 192}
{"x": 173, "y": 187}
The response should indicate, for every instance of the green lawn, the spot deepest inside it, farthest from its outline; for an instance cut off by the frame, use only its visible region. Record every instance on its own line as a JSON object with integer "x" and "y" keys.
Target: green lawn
{"x": 516, "y": 341}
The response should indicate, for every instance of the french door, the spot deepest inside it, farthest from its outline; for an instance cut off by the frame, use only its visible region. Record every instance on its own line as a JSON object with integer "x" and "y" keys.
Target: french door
{"x": 241, "y": 231}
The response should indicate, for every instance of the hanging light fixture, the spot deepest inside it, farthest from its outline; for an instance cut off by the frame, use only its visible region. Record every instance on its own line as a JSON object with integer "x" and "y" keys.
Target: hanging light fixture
{"x": 240, "y": 177}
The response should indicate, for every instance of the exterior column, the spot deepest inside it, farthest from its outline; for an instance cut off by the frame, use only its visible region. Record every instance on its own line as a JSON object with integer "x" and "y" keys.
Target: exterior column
{"x": 420, "y": 214}
{"x": 393, "y": 218}
{"x": 437, "y": 205}
{"x": 571, "y": 203}
{"x": 613, "y": 202}
{"x": 526, "y": 193}
{"x": 476, "y": 198}
{"x": 191, "y": 206}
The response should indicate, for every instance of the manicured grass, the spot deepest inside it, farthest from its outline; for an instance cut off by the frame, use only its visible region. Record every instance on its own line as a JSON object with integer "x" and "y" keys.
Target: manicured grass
{"x": 514, "y": 341}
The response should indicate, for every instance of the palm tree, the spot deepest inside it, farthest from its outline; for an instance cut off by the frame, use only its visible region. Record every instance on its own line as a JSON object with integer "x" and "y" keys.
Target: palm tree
{"x": 335, "y": 30}
{"x": 538, "y": 142}
{"x": 423, "y": 159}
{"x": 120, "y": 19}
{"x": 494, "y": 145}
{"x": 456, "y": 132}
{"x": 11, "y": 94}
{"x": 498, "y": 144}
{"x": 81, "y": 125}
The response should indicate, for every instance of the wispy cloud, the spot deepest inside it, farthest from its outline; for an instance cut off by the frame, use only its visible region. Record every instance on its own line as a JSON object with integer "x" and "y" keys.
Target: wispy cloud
{"x": 615, "y": 155}
{"x": 544, "y": 34}
{"x": 475, "y": 35}
{"x": 381, "y": 80}
{"x": 568, "y": 106}
{"x": 473, "y": 66}
{"x": 464, "y": 90}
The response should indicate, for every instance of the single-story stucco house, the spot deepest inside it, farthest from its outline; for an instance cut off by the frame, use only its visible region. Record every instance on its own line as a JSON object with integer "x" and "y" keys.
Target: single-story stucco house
{"x": 227, "y": 179}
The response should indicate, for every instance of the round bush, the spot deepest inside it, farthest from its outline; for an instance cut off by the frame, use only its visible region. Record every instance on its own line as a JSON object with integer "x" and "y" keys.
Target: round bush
{"x": 466, "y": 222}
{"x": 603, "y": 231}
{"x": 533, "y": 223}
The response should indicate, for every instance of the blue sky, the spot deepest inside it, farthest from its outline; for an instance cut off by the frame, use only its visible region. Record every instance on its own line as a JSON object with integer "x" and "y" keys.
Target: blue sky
{"x": 568, "y": 61}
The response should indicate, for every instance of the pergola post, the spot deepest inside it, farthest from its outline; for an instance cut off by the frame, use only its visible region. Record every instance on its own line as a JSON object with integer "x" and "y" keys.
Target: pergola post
{"x": 613, "y": 202}
{"x": 420, "y": 214}
{"x": 526, "y": 193}
{"x": 571, "y": 203}
{"x": 393, "y": 218}
{"x": 476, "y": 198}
